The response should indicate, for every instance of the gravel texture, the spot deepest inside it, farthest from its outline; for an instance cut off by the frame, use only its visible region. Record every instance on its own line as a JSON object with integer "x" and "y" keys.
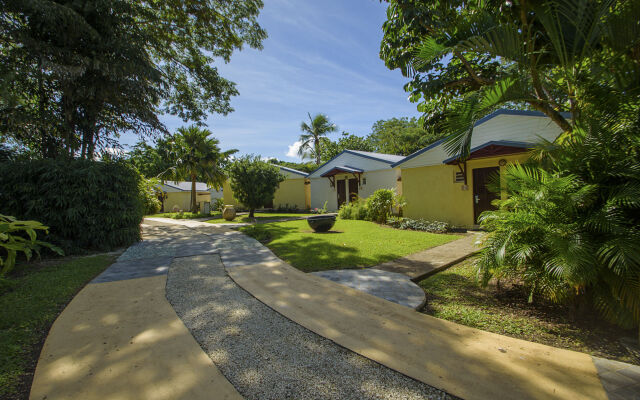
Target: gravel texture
{"x": 265, "y": 355}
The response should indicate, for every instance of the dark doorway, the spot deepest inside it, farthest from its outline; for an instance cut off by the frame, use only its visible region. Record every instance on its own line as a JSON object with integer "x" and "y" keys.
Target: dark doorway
{"x": 482, "y": 197}
{"x": 353, "y": 189}
{"x": 342, "y": 192}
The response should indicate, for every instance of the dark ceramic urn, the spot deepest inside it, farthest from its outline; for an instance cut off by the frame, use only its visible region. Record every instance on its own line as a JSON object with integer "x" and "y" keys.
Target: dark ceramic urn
{"x": 322, "y": 223}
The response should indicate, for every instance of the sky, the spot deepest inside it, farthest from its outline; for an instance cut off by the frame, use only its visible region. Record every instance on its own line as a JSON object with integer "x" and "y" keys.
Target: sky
{"x": 320, "y": 57}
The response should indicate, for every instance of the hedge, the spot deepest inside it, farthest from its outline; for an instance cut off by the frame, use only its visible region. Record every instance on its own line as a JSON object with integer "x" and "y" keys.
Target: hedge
{"x": 88, "y": 205}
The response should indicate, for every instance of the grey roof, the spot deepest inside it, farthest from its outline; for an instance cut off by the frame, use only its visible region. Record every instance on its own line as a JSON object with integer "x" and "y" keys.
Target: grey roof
{"x": 183, "y": 186}
{"x": 293, "y": 171}
{"x": 343, "y": 168}
{"x": 380, "y": 156}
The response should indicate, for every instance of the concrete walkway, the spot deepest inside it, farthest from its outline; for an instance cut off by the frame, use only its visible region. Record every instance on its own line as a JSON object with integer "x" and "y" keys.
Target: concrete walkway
{"x": 419, "y": 265}
{"x": 119, "y": 338}
{"x": 391, "y": 286}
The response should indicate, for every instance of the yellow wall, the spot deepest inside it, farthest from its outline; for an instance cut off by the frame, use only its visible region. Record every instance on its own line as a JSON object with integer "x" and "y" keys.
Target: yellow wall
{"x": 227, "y": 194}
{"x": 291, "y": 192}
{"x": 183, "y": 200}
{"x": 430, "y": 192}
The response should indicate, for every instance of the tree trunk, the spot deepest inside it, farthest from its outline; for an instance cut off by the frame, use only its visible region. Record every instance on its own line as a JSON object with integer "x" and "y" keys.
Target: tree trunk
{"x": 316, "y": 144}
{"x": 194, "y": 204}
{"x": 251, "y": 212}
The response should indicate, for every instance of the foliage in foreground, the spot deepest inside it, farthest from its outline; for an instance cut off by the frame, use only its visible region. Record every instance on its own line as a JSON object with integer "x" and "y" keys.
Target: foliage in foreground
{"x": 254, "y": 182}
{"x": 570, "y": 228}
{"x": 13, "y": 241}
{"x": 86, "y": 204}
{"x": 29, "y": 310}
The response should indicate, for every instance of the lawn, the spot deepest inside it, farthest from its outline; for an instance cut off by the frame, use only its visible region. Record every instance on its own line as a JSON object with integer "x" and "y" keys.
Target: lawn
{"x": 350, "y": 244}
{"x": 185, "y": 215}
{"x": 454, "y": 295}
{"x": 29, "y": 309}
{"x": 260, "y": 217}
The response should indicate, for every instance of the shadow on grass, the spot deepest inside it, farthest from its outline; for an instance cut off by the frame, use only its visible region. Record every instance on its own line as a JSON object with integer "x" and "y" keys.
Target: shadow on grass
{"x": 311, "y": 251}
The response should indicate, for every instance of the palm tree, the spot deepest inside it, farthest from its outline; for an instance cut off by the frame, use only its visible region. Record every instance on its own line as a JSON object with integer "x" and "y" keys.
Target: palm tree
{"x": 318, "y": 127}
{"x": 198, "y": 157}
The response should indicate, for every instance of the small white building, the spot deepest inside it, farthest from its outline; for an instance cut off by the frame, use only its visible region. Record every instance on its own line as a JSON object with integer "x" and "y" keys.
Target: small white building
{"x": 353, "y": 174}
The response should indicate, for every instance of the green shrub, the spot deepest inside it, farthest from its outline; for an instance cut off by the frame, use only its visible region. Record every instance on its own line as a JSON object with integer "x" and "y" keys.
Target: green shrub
{"x": 149, "y": 196}
{"x": 86, "y": 204}
{"x": 354, "y": 210}
{"x": 217, "y": 205}
{"x": 419, "y": 225}
{"x": 381, "y": 203}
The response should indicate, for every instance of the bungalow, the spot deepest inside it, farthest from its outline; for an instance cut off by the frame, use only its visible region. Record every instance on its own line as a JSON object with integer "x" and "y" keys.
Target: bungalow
{"x": 177, "y": 195}
{"x": 352, "y": 174}
{"x": 293, "y": 192}
{"x": 440, "y": 187}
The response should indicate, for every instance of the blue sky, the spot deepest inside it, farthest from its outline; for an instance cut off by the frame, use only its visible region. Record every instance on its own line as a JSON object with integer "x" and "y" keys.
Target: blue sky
{"x": 321, "y": 56}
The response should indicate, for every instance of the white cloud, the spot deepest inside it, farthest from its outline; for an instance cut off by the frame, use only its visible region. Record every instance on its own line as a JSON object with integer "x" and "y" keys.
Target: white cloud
{"x": 293, "y": 149}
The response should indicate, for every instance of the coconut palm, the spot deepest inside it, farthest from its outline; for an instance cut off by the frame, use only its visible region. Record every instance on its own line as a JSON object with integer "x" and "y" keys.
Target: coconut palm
{"x": 311, "y": 141}
{"x": 198, "y": 157}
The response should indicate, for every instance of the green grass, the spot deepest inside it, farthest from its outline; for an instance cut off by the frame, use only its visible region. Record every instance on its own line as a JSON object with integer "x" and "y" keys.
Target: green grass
{"x": 185, "y": 215}
{"x": 350, "y": 244}
{"x": 28, "y": 311}
{"x": 259, "y": 217}
{"x": 455, "y": 296}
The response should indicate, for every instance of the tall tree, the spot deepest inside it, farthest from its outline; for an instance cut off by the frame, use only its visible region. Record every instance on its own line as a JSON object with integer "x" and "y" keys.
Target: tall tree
{"x": 550, "y": 56}
{"x": 311, "y": 141}
{"x": 76, "y": 74}
{"x": 198, "y": 156}
{"x": 401, "y": 136}
{"x": 254, "y": 182}
{"x": 347, "y": 141}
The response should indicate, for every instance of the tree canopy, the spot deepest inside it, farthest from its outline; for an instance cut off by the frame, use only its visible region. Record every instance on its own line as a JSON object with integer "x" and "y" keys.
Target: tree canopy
{"x": 254, "y": 182}
{"x": 75, "y": 75}
{"x": 347, "y": 141}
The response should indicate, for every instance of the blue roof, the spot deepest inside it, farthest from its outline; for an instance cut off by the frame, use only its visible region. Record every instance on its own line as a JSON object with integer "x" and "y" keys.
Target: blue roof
{"x": 507, "y": 143}
{"x": 293, "y": 171}
{"x": 386, "y": 158}
{"x": 480, "y": 122}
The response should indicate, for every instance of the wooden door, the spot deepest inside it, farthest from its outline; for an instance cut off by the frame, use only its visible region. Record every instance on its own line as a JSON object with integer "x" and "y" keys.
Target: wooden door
{"x": 482, "y": 197}
{"x": 342, "y": 192}
{"x": 353, "y": 189}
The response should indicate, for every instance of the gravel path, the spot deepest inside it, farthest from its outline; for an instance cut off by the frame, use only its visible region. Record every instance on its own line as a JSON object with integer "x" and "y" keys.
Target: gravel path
{"x": 266, "y": 356}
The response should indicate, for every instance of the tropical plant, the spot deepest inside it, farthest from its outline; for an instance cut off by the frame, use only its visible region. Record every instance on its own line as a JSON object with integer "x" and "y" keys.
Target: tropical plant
{"x": 198, "y": 157}
{"x": 20, "y": 236}
{"x": 569, "y": 228}
{"x": 419, "y": 225}
{"x": 553, "y": 56}
{"x": 311, "y": 141}
{"x": 254, "y": 181}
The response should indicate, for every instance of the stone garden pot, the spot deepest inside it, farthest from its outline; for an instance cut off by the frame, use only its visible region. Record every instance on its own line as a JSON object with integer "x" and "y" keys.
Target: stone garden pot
{"x": 322, "y": 223}
{"x": 229, "y": 212}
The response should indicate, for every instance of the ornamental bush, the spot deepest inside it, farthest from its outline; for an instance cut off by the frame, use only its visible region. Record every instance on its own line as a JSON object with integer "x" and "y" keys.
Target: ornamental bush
{"x": 86, "y": 204}
{"x": 354, "y": 210}
{"x": 419, "y": 225}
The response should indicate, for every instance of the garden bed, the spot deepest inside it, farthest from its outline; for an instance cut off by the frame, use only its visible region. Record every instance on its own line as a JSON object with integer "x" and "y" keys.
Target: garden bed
{"x": 259, "y": 217}
{"x": 454, "y": 295}
{"x": 349, "y": 244}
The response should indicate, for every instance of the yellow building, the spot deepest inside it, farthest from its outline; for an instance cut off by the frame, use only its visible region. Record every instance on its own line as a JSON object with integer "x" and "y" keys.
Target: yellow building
{"x": 177, "y": 195}
{"x": 439, "y": 187}
{"x": 293, "y": 192}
